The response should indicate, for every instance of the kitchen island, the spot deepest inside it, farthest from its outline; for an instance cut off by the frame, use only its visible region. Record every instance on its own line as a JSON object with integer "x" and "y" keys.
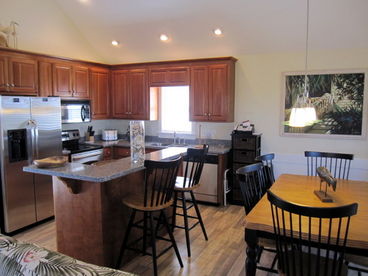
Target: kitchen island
{"x": 90, "y": 217}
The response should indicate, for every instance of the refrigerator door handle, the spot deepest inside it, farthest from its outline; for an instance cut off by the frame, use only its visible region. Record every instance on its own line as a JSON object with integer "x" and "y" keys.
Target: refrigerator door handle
{"x": 36, "y": 147}
{"x": 31, "y": 141}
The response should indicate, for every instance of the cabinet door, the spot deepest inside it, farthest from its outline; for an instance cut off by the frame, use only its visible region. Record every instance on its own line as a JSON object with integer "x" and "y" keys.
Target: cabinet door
{"x": 218, "y": 92}
{"x": 3, "y": 74}
{"x": 158, "y": 77}
{"x": 62, "y": 79}
{"x": 99, "y": 88}
{"x": 120, "y": 94}
{"x": 23, "y": 75}
{"x": 45, "y": 77}
{"x": 178, "y": 76}
{"x": 198, "y": 97}
{"x": 138, "y": 94}
{"x": 81, "y": 82}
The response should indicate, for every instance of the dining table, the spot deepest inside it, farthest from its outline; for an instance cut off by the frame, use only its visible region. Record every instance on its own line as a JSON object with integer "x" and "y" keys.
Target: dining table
{"x": 299, "y": 189}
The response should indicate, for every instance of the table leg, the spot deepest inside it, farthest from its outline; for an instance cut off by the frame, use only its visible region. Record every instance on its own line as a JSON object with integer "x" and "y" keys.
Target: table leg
{"x": 251, "y": 261}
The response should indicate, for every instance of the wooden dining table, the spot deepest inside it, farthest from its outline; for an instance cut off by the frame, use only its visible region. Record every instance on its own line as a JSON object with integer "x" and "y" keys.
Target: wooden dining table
{"x": 299, "y": 189}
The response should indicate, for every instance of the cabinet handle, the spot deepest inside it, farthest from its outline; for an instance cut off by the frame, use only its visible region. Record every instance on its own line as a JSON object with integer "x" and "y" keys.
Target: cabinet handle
{"x": 209, "y": 114}
{"x": 244, "y": 152}
{"x": 7, "y": 84}
{"x": 205, "y": 114}
{"x": 244, "y": 140}
{"x": 12, "y": 85}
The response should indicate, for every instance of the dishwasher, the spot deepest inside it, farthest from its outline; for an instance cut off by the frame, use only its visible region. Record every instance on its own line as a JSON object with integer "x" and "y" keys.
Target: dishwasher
{"x": 207, "y": 191}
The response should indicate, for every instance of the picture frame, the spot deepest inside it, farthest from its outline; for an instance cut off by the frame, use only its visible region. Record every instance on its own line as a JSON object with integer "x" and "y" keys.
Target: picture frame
{"x": 339, "y": 98}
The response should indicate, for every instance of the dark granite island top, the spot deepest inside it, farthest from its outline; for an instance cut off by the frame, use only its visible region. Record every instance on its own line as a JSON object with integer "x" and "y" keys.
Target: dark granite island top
{"x": 112, "y": 170}
{"x": 90, "y": 218}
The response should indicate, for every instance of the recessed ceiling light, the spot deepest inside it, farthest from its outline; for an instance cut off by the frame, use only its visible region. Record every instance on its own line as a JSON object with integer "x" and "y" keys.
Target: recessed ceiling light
{"x": 217, "y": 31}
{"x": 115, "y": 42}
{"x": 164, "y": 37}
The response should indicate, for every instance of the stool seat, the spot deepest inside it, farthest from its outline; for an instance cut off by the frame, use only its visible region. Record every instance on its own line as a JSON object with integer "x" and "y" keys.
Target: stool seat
{"x": 136, "y": 201}
{"x": 179, "y": 185}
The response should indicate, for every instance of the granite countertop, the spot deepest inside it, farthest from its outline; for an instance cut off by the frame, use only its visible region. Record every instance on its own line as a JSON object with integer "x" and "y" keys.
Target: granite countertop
{"x": 108, "y": 171}
{"x": 213, "y": 148}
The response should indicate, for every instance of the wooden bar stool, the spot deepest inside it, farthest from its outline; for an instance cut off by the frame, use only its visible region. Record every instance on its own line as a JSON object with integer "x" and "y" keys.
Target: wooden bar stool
{"x": 186, "y": 184}
{"x": 160, "y": 177}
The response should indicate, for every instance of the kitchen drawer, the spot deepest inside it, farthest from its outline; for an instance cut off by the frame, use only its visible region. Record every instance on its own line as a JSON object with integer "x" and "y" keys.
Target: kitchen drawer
{"x": 244, "y": 156}
{"x": 244, "y": 142}
{"x": 121, "y": 152}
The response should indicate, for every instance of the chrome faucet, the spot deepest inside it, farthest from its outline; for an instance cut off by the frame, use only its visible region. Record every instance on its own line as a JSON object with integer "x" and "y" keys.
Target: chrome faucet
{"x": 174, "y": 137}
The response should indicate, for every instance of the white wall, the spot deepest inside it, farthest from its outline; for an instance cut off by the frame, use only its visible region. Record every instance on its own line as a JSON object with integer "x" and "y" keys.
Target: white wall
{"x": 44, "y": 28}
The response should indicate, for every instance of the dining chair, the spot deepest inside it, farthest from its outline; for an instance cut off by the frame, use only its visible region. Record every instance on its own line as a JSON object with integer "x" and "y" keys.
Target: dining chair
{"x": 266, "y": 159}
{"x": 253, "y": 186}
{"x": 310, "y": 240}
{"x": 186, "y": 184}
{"x": 337, "y": 163}
{"x": 159, "y": 183}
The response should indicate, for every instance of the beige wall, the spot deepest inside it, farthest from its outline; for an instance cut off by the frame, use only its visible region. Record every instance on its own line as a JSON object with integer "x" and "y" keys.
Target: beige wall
{"x": 44, "y": 28}
{"x": 259, "y": 94}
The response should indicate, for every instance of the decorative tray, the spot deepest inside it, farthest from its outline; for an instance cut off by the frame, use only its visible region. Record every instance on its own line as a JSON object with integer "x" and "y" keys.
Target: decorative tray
{"x": 51, "y": 162}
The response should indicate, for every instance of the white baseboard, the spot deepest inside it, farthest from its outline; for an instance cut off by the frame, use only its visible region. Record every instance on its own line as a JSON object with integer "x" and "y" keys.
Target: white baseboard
{"x": 297, "y": 164}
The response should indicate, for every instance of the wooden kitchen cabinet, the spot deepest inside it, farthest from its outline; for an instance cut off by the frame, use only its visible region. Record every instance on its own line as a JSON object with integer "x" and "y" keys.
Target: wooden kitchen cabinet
{"x": 100, "y": 92}
{"x": 169, "y": 76}
{"x": 130, "y": 94}
{"x": 107, "y": 153}
{"x": 18, "y": 74}
{"x": 120, "y": 152}
{"x": 212, "y": 92}
{"x": 70, "y": 80}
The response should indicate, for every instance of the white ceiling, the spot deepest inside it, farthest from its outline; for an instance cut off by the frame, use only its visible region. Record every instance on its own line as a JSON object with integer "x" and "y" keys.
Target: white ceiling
{"x": 250, "y": 26}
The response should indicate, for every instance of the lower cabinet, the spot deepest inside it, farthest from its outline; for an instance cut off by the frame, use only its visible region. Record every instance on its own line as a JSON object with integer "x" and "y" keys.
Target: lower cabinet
{"x": 120, "y": 152}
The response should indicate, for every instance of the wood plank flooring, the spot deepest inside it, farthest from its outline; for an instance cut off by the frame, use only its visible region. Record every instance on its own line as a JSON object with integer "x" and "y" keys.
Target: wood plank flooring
{"x": 222, "y": 254}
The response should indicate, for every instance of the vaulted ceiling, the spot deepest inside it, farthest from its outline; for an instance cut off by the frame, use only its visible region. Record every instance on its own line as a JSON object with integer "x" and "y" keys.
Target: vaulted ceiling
{"x": 249, "y": 26}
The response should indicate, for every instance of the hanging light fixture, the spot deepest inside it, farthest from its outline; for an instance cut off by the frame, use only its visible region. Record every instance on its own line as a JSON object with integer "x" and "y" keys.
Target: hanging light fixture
{"x": 303, "y": 112}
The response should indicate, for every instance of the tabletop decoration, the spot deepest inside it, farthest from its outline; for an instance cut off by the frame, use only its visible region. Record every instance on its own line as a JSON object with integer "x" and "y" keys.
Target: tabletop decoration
{"x": 325, "y": 176}
{"x": 137, "y": 141}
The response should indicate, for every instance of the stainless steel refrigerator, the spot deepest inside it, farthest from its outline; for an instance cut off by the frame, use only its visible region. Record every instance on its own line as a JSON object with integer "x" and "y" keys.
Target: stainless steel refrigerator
{"x": 30, "y": 129}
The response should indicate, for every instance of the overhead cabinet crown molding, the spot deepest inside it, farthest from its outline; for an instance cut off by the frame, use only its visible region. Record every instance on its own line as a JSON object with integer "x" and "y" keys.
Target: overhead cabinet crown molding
{"x": 124, "y": 88}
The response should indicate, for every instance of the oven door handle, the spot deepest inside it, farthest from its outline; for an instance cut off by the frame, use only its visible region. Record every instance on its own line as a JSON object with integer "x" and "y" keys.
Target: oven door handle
{"x": 85, "y": 156}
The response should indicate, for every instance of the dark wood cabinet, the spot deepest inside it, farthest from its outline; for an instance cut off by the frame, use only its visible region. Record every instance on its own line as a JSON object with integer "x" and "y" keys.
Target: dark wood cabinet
{"x": 212, "y": 92}
{"x": 108, "y": 153}
{"x": 63, "y": 79}
{"x": 169, "y": 76}
{"x": 120, "y": 152}
{"x": 100, "y": 92}
{"x": 70, "y": 80}
{"x": 18, "y": 74}
{"x": 130, "y": 94}
{"x": 245, "y": 148}
{"x": 45, "y": 78}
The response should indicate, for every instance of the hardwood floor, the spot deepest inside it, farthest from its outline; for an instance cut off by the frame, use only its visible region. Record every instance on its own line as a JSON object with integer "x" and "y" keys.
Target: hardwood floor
{"x": 222, "y": 254}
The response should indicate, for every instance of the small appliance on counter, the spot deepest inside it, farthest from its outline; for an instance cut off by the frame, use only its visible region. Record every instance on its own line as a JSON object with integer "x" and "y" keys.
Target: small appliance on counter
{"x": 109, "y": 135}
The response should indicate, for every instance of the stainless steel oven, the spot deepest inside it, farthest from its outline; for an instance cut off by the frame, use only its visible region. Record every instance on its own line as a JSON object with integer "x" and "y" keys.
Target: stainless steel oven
{"x": 75, "y": 111}
{"x": 80, "y": 153}
{"x": 87, "y": 157}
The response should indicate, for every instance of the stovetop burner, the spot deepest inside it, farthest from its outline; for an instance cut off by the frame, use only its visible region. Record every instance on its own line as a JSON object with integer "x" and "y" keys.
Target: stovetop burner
{"x": 70, "y": 140}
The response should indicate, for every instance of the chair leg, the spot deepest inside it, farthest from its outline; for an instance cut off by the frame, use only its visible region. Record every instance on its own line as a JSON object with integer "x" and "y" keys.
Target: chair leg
{"x": 186, "y": 225}
{"x": 199, "y": 215}
{"x": 153, "y": 243}
{"x": 144, "y": 245}
{"x": 173, "y": 219}
{"x": 171, "y": 237}
{"x": 125, "y": 241}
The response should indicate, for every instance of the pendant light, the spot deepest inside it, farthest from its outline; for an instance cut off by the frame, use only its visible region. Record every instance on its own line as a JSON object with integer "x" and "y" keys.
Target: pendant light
{"x": 303, "y": 112}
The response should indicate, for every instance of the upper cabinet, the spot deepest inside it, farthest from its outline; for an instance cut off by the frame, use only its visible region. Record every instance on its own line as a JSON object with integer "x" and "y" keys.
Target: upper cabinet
{"x": 169, "y": 76}
{"x": 18, "y": 74}
{"x": 100, "y": 92}
{"x": 130, "y": 94}
{"x": 70, "y": 80}
{"x": 212, "y": 91}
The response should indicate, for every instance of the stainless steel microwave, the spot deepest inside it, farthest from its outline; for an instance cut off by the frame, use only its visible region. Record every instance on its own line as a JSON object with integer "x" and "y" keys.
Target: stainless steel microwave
{"x": 75, "y": 111}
